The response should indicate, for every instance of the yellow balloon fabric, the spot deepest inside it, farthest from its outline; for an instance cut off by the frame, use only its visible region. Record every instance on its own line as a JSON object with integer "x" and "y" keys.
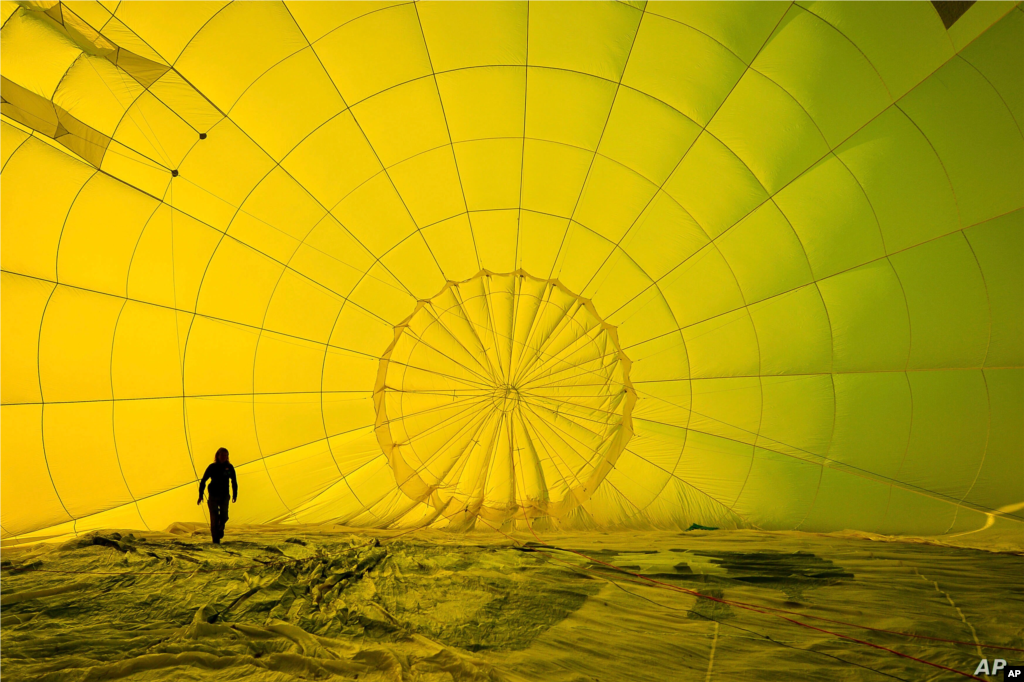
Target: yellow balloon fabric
{"x": 504, "y": 264}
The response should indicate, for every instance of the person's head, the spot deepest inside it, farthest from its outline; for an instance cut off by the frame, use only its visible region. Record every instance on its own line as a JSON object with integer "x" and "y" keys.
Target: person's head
{"x": 221, "y": 456}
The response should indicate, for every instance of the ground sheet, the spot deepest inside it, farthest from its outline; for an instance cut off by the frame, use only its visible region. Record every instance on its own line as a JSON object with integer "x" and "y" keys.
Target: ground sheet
{"x": 295, "y": 603}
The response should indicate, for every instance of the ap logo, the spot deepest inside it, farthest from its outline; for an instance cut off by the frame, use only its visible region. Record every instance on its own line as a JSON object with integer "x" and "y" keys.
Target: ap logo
{"x": 1012, "y": 672}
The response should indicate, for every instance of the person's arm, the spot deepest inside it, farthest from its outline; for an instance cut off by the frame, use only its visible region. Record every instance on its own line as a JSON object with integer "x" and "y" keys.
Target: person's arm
{"x": 234, "y": 483}
{"x": 202, "y": 485}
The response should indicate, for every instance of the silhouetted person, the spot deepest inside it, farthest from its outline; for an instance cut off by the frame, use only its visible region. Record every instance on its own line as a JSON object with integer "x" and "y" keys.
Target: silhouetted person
{"x": 218, "y": 474}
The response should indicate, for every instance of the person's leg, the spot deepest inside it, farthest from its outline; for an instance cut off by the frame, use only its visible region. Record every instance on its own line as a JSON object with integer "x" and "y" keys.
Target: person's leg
{"x": 211, "y": 505}
{"x": 224, "y": 514}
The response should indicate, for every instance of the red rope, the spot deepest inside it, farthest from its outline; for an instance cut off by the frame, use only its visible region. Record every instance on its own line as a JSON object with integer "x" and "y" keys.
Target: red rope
{"x": 772, "y": 608}
{"x": 198, "y": 569}
{"x": 770, "y": 611}
{"x": 890, "y": 632}
{"x": 758, "y": 610}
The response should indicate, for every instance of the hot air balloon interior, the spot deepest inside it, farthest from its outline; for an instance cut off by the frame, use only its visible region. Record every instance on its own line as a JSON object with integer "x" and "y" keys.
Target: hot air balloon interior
{"x": 561, "y": 341}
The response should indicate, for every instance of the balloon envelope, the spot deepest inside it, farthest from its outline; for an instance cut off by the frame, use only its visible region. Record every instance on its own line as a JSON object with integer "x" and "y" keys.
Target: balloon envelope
{"x": 553, "y": 265}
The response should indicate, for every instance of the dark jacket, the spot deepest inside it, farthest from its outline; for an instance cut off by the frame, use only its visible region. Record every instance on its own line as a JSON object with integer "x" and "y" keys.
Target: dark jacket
{"x": 218, "y": 474}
